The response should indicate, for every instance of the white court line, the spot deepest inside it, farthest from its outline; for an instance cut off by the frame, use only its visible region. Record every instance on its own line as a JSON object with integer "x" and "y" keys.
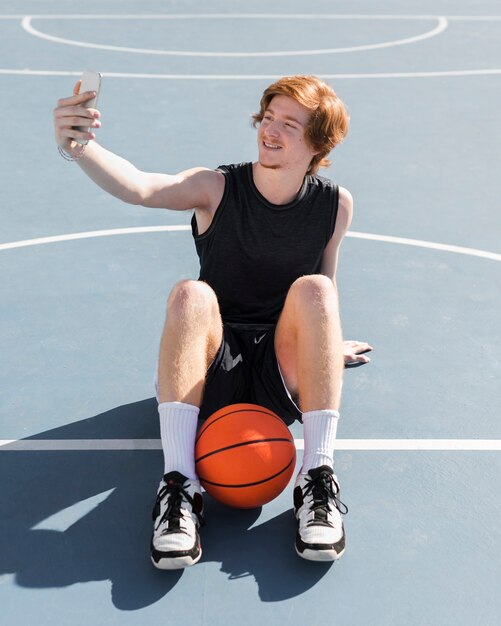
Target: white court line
{"x": 440, "y": 28}
{"x": 221, "y": 16}
{"x": 397, "y": 445}
{"x": 376, "y": 75}
{"x": 437, "y": 74}
{"x": 91, "y": 234}
{"x": 493, "y": 256}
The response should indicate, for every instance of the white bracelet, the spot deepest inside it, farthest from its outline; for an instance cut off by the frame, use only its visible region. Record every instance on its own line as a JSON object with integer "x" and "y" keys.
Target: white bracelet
{"x": 70, "y": 157}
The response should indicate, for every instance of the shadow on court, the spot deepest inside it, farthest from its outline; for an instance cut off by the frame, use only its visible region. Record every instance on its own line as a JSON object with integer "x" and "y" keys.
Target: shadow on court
{"x": 77, "y": 516}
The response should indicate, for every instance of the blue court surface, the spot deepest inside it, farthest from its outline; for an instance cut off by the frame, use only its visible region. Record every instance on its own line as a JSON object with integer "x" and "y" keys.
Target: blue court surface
{"x": 85, "y": 278}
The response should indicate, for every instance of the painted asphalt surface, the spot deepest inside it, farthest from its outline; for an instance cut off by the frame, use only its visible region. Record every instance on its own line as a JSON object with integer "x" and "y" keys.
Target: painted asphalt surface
{"x": 80, "y": 319}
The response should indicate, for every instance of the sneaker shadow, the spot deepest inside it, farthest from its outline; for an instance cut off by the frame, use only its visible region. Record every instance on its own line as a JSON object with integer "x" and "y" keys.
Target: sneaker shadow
{"x": 264, "y": 551}
{"x": 80, "y": 516}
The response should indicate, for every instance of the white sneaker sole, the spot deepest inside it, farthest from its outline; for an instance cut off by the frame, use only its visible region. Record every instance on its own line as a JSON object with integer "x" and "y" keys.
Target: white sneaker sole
{"x": 180, "y": 562}
{"x": 319, "y": 555}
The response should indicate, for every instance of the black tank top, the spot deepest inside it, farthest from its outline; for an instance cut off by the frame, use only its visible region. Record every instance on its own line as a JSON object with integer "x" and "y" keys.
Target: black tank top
{"x": 254, "y": 250}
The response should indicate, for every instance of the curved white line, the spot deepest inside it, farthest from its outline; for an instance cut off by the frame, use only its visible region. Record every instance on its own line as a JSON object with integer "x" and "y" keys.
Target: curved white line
{"x": 90, "y": 235}
{"x": 28, "y": 27}
{"x": 246, "y": 16}
{"x": 438, "y": 74}
{"x": 492, "y": 256}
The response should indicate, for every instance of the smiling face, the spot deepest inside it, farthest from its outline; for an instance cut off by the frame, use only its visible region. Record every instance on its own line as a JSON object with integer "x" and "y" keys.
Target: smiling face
{"x": 281, "y": 136}
{"x": 326, "y": 126}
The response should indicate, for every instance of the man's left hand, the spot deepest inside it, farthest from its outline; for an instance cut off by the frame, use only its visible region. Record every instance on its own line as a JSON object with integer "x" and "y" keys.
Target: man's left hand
{"x": 354, "y": 353}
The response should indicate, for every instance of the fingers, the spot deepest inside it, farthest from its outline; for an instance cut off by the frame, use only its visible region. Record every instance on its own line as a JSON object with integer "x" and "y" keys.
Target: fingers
{"x": 76, "y": 99}
{"x": 356, "y": 357}
{"x": 357, "y": 347}
{"x": 75, "y": 116}
{"x": 355, "y": 360}
{"x": 75, "y": 119}
{"x": 354, "y": 353}
{"x": 72, "y": 120}
{"x": 73, "y": 133}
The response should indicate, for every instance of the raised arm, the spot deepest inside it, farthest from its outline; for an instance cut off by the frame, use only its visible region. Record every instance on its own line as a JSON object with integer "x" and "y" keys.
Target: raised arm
{"x": 197, "y": 188}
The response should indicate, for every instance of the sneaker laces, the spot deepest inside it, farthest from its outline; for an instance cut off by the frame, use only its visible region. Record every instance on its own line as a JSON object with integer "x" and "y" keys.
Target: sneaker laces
{"x": 176, "y": 493}
{"x": 324, "y": 489}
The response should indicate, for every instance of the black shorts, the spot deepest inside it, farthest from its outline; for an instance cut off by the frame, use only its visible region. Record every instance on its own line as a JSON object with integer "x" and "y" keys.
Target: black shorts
{"x": 246, "y": 370}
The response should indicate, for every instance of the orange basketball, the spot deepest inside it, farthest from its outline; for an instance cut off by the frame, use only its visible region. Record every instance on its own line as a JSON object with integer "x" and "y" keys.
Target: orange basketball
{"x": 244, "y": 455}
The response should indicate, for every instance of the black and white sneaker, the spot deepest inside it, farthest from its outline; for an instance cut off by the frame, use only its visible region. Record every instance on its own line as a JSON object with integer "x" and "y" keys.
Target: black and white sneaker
{"x": 320, "y": 530}
{"x": 177, "y": 515}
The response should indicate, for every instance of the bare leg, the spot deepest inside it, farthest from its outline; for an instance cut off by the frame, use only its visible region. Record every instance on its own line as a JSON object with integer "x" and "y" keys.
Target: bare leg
{"x": 309, "y": 343}
{"x": 309, "y": 348}
{"x": 192, "y": 335}
{"x": 191, "y": 338}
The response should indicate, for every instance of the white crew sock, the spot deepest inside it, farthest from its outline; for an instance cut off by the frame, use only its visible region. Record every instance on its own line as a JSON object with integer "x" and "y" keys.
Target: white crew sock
{"x": 320, "y": 429}
{"x": 178, "y": 429}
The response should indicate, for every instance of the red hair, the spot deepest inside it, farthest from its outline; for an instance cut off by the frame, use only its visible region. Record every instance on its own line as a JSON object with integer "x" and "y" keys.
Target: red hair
{"x": 329, "y": 121}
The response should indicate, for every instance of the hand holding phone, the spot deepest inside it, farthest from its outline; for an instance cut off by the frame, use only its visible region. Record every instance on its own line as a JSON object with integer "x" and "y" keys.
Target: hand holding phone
{"x": 90, "y": 81}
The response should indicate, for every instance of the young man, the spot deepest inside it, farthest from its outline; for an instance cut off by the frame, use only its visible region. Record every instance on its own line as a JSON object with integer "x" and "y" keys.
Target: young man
{"x": 261, "y": 324}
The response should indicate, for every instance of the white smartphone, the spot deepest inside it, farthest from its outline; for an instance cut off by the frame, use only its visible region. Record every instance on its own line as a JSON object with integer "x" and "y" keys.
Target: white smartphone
{"x": 91, "y": 81}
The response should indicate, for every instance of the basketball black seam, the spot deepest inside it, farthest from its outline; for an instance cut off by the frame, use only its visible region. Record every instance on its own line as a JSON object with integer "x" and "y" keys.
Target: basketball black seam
{"x": 205, "y": 427}
{"x": 259, "y": 482}
{"x": 239, "y": 445}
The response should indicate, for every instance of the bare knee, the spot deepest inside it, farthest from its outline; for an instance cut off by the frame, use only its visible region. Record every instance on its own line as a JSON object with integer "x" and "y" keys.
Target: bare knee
{"x": 315, "y": 292}
{"x": 192, "y": 300}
